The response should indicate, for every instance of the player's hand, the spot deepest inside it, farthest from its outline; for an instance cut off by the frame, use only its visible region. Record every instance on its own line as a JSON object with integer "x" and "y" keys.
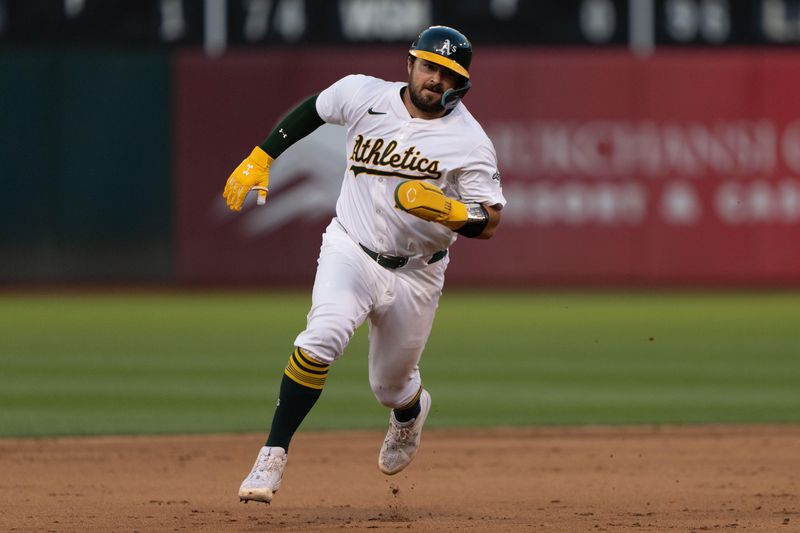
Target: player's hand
{"x": 252, "y": 173}
{"x": 428, "y": 202}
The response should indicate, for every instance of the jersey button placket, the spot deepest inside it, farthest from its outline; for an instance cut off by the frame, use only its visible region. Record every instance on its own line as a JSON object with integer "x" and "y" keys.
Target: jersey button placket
{"x": 403, "y": 132}
{"x": 381, "y": 229}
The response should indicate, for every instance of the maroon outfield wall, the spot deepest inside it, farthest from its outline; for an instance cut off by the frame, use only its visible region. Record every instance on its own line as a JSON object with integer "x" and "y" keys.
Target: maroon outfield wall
{"x": 680, "y": 169}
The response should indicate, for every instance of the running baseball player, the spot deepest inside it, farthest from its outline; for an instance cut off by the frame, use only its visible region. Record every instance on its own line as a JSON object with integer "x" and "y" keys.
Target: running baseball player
{"x": 420, "y": 171}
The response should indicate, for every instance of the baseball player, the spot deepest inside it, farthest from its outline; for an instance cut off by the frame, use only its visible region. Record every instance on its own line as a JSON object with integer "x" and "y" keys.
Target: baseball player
{"x": 420, "y": 171}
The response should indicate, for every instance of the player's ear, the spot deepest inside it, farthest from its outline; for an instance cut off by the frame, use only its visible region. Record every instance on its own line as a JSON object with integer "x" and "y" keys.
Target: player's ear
{"x": 410, "y": 64}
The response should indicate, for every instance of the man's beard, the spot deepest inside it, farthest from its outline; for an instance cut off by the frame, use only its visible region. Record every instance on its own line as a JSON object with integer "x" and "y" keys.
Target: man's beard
{"x": 422, "y": 104}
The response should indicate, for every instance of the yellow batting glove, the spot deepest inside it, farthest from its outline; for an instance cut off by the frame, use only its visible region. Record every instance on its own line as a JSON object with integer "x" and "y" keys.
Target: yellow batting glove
{"x": 428, "y": 202}
{"x": 252, "y": 173}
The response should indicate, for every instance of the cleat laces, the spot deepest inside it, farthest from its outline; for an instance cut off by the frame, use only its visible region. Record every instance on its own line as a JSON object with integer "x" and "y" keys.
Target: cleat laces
{"x": 266, "y": 465}
{"x": 401, "y": 436}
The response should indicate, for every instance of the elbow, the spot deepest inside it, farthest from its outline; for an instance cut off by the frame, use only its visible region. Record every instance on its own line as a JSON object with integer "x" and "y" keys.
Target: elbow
{"x": 488, "y": 233}
{"x": 494, "y": 221}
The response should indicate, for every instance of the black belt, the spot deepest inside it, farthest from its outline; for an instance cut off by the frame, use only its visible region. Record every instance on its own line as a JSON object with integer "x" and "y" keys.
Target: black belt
{"x": 397, "y": 261}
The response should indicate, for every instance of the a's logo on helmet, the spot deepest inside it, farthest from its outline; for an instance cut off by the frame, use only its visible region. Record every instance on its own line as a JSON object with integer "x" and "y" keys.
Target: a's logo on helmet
{"x": 446, "y": 48}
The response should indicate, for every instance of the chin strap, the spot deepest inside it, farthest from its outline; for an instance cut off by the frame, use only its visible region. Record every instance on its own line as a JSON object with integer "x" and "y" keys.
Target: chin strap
{"x": 451, "y": 97}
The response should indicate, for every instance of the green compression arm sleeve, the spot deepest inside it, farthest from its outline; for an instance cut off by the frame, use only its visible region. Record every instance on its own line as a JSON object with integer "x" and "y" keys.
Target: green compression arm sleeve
{"x": 301, "y": 121}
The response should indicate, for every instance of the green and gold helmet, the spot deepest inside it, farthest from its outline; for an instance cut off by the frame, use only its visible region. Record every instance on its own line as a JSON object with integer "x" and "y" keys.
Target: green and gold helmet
{"x": 444, "y": 46}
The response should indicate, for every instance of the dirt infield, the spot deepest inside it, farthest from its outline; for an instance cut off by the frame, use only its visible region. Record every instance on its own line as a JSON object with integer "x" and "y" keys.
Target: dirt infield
{"x": 554, "y": 479}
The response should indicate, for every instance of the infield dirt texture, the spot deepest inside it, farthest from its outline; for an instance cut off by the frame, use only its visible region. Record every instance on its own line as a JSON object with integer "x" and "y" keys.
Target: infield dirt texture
{"x": 706, "y": 478}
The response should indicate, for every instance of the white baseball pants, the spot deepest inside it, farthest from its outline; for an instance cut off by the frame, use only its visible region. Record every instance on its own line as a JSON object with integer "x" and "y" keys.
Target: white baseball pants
{"x": 400, "y": 305}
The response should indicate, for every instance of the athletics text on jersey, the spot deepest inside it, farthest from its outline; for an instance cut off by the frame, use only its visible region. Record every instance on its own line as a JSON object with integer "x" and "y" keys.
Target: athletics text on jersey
{"x": 385, "y": 146}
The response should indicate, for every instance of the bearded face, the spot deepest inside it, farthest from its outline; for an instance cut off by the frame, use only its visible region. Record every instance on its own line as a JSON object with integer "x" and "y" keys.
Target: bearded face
{"x": 427, "y": 82}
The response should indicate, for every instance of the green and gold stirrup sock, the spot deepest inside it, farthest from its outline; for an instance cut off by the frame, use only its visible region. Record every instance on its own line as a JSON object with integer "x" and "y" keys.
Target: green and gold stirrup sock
{"x": 410, "y": 410}
{"x": 302, "y": 384}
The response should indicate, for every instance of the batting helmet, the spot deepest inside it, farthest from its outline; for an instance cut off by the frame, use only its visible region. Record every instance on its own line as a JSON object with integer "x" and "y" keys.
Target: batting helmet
{"x": 444, "y": 46}
{"x": 449, "y": 48}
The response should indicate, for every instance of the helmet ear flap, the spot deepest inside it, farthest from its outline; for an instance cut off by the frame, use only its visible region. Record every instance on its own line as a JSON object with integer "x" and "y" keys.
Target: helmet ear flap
{"x": 451, "y": 97}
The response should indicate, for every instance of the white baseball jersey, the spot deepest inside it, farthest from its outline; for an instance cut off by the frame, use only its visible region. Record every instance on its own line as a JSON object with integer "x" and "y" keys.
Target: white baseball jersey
{"x": 386, "y": 146}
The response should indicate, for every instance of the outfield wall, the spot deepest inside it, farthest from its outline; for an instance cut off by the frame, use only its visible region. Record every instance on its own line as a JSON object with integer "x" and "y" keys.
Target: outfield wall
{"x": 679, "y": 169}
{"x": 85, "y": 166}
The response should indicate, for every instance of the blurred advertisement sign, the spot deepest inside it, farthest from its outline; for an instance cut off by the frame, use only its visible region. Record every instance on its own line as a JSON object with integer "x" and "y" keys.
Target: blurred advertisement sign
{"x": 683, "y": 168}
{"x": 740, "y": 152}
{"x": 680, "y": 168}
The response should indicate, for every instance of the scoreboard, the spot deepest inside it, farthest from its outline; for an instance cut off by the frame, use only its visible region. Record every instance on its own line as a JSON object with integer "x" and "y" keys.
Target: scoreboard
{"x": 245, "y": 23}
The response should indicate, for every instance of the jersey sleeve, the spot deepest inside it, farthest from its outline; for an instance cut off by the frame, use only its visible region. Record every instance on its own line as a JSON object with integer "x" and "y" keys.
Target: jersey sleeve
{"x": 479, "y": 179}
{"x": 338, "y": 103}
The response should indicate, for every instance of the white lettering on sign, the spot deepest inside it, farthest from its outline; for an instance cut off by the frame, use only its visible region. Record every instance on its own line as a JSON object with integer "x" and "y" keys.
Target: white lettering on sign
{"x": 686, "y": 20}
{"x": 598, "y": 19}
{"x": 615, "y": 203}
{"x": 569, "y": 168}
{"x": 758, "y": 202}
{"x": 613, "y": 149}
{"x": 575, "y": 203}
{"x": 680, "y": 205}
{"x": 790, "y": 145}
{"x": 385, "y": 20}
{"x": 780, "y": 22}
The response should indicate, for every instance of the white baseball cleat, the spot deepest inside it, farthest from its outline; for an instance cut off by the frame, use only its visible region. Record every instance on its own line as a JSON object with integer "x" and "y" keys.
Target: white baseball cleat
{"x": 265, "y": 478}
{"x": 402, "y": 440}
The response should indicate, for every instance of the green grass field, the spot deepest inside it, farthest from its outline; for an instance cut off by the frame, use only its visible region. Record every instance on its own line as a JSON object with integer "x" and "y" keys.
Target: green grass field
{"x": 196, "y": 362}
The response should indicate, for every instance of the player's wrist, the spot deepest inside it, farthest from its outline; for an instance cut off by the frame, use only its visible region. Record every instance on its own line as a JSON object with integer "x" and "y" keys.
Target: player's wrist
{"x": 260, "y": 158}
